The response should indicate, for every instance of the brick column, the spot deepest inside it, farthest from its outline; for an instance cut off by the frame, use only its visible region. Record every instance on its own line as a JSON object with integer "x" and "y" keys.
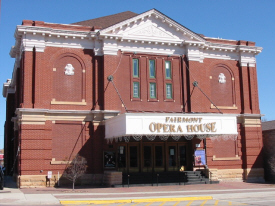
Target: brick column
{"x": 254, "y": 90}
{"x": 245, "y": 89}
{"x": 252, "y": 153}
{"x": 28, "y": 79}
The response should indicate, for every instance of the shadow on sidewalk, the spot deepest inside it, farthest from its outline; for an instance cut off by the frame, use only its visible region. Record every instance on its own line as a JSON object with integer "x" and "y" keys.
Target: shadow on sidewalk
{"x": 9, "y": 183}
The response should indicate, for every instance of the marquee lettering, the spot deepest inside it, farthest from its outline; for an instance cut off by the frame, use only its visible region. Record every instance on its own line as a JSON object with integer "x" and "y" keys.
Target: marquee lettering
{"x": 177, "y": 128}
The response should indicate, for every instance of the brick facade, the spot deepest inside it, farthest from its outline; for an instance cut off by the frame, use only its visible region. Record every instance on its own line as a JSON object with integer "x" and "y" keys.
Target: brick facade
{"x": 56, "y": 116}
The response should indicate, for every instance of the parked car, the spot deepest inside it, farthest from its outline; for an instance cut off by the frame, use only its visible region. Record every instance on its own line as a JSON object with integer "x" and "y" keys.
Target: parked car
{"x": 2, "y": 177}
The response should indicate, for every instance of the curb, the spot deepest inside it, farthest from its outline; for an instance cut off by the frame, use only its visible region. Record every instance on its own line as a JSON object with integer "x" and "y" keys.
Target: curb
{"x": 169, "y": 199}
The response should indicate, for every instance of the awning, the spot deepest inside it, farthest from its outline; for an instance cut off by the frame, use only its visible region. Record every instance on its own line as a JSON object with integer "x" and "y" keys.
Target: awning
{"x": 170, "y": 124}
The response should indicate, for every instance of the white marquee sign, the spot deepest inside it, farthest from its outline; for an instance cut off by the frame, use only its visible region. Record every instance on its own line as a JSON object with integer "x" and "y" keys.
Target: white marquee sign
{"x": 170, "y": 124}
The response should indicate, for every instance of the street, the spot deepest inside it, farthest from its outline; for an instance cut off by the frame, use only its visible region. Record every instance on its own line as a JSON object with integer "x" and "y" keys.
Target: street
{"x": 261, "y": 197}
{"x": 224, "y": 193}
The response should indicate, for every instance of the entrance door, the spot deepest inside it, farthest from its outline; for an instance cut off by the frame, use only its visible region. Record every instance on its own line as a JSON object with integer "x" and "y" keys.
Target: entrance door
{"x": 176, "y": 156}
{"x": 122, "y": 158}
{"x": 153, "y": 158}
{"x": 133, "y": 158}
{"x": 128, "y": 158}
{"x": 147, "y": 164}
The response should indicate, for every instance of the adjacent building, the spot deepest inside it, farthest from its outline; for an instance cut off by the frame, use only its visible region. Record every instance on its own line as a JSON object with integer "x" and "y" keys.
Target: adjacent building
{"x": 134, "y": 94}
{"x": 268, "y": 128}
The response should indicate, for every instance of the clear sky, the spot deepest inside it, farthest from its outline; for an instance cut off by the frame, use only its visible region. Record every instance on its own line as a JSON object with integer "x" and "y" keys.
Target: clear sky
{"x": 252, "y": 20}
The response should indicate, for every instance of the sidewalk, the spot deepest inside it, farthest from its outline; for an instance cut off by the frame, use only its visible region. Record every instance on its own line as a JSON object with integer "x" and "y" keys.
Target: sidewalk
{"x": 56, "y": 196}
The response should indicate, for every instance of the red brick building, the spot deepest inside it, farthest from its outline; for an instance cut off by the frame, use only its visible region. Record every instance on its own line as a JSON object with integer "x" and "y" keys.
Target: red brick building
{"x": 133, "y": 94}
{"x": 268, "y": 128}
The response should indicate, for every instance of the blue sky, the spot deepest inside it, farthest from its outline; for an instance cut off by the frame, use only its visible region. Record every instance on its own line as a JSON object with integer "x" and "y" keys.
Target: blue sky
{"x": 229, "y": 19}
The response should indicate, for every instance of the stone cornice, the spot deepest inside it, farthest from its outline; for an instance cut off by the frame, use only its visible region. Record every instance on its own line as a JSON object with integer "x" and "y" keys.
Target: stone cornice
{"x": 28, "y": 37}
{"x": 250, "y": 120}
{"x": 21, "y": 29}
{"x": 40, "y": 116}
{"x": 6, "y": 88}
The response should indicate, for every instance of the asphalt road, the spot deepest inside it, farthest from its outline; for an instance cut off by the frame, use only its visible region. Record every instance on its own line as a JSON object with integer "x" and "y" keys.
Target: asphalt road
{"x": 224, "y": 193}
{"x": 255, "y": 197}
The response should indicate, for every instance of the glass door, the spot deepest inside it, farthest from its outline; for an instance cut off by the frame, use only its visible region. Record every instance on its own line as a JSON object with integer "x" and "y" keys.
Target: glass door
{"x": 158, "y": 158}
{"x": 133, "y": 158}
{"x": 172, "y": 158}
{"x": 176, "y": 154}
{"x": 147, "y": 159}
{"x": 182, "y": 157}
{"x": 121, "y": 158}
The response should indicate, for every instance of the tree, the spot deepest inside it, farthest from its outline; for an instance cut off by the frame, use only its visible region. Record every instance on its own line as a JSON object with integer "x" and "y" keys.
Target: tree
{"x": 75, "y": 169}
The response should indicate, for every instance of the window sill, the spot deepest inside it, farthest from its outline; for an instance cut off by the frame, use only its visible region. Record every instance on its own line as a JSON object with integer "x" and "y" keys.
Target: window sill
{"x": 53, "y": 162}
{"x": 223, "y": 107}
{"x": 153, "y": 100}
{"x": 69, "y": 103}
{"x": 170, "y": 100}
{"x": 226, "y": 158}
{"x": 136, "y": 99}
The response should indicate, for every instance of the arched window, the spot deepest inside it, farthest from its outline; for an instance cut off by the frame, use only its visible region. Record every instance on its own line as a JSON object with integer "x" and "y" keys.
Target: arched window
{"x": 68, "y": 79}
{"x": 222, "y": 86}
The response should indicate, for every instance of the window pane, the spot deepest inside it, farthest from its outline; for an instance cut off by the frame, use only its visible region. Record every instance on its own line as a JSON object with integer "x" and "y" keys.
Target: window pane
{"x": 152, "y": 69}
{"x": 147, "y": 156}
{"x": 169, "y": 91}
{"x": 135, "y": 68}
{"x": 172, "y": 156}
{"x": 152, "y": 90}
{"x": 122, "y": 157}
{"x": 136, "y": 89}
{"x": 159, "y": 156}
{"x": 182, "y": 155}
{"x": 133, "y": 156}
{"x": 168, "y": 69}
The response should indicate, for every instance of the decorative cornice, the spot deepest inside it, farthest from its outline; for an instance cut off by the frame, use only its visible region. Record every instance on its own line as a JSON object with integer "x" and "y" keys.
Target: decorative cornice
{"x": 40, "y": 116}
{"x": 6, "y": 88}
{"x": 29, "y": 37}
{"x": 250, "y": 120}
{"x": 157, "y": 15}
{"x": 21, "y": 29}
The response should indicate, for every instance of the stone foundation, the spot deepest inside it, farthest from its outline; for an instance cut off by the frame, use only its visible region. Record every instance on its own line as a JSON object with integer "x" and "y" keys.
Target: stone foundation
{"x": 33, "y": 181}
{"x": 236, "y": 175}
{"x": 112, "y": 178}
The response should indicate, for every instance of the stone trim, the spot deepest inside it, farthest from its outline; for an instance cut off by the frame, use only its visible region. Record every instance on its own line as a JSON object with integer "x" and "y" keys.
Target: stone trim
{"x": 250, "y": 120}
{"x": 224, "y": 107}
{"x": 54, "y": 162}
{"x": 40, "y": 181}
{"x": 40, "y": 116}
{"x": 236, "y": 175}
{"x": 69, "y": 103}
{"x": 226, "y": 158}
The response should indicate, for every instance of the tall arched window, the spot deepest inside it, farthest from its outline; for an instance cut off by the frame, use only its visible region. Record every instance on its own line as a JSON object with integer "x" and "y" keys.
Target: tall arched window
{"x": 68, "y": 79}
{"x": 222, "y": 86}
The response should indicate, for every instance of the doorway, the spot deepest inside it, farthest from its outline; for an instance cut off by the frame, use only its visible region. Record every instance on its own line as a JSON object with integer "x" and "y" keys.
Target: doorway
{"x": 150, "y": 157}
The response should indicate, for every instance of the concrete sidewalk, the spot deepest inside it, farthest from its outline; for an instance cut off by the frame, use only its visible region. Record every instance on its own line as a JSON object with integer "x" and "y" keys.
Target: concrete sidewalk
{"x": 11, "y": 195}
{"x": 56, "y": 196}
